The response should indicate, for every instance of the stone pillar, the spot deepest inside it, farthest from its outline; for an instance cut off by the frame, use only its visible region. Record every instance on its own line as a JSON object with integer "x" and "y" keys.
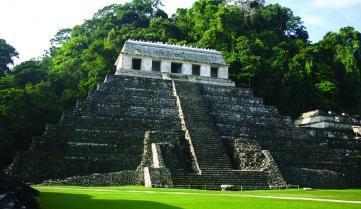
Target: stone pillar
{"x": 126, "y": 62}
{"x": 206, "y": 70}
{"x": 157, "y": 156}
{"x": 146, "y": 64}
{"x": 147, "y": 179}
{"x": 187, "y": 68}
{"x": 223, "y": 72}
{"x": 165, "y": 66}
{"x": 120, "y": 62}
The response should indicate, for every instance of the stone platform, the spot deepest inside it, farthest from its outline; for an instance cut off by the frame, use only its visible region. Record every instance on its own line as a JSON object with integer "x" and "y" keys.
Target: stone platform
{"x": 170, "y": 130}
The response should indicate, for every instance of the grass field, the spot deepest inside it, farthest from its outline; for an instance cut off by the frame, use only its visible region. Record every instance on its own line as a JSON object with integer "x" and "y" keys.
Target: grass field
{"x": 133, "y": 197}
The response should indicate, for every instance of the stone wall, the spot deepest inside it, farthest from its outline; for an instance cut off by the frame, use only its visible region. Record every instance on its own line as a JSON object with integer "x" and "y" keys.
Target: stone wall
{"x": 152, "y": 165}
{"x": 238, "y": 114}
{"x": 158, "y": 177}
{"x": 104, "y": 133}
{"x": 246, "y": 155}
{"x": 335, "y": 131}
{"x": 275, "y": 177}
{"x": 122, "y": 178}
{"x": 317, "y": 177}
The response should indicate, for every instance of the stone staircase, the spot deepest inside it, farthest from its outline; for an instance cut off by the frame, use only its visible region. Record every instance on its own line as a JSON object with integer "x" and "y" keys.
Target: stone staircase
{"x": 212, "y": 159}
{"x": 207, "y": 146}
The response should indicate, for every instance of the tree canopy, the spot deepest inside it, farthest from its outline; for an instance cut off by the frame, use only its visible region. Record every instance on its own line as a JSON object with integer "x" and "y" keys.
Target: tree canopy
{"x": 266, "y": 46}
{"x": 7, "y": 53}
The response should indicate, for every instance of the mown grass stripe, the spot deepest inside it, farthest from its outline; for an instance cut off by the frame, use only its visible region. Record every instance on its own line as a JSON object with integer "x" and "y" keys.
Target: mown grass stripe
{"x": 204, "y": 194}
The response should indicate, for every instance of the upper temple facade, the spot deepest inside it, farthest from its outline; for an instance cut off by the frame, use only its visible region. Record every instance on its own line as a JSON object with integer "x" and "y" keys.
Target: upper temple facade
{"x": 159, "y": 57}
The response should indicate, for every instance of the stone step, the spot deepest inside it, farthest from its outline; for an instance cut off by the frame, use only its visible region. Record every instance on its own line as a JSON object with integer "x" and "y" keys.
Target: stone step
{"x": 116, "y": 119}
{"x": 249, "y": 119}
{"x": 134, "y": 91}
{"x": 119, "y": 98}
{"x": 98, "y": 148}
{"x": 132, "y": 124}
{"x": 224, "y": 90}
{"x": 120, "y": 109}
{"x": 232, "y": 100}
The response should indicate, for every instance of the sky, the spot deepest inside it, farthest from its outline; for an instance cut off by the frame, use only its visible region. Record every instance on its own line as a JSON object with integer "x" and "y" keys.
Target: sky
{"x": 28, "y": 25}
{"x": 322, "y": 16}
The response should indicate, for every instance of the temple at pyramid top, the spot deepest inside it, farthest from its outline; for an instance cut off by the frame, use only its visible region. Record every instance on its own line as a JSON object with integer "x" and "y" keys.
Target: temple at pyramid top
{"x": 165, "y": 58}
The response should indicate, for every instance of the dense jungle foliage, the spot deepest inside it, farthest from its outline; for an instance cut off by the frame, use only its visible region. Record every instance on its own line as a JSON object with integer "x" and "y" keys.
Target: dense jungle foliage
{"x": 266, "y": 46}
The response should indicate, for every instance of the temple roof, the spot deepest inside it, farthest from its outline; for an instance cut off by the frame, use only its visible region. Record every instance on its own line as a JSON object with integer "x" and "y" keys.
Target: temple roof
{"x": 174, "y": 52}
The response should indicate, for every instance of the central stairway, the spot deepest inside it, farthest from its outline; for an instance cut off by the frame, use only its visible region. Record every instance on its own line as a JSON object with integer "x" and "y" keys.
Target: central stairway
{"x": 213, "y": 162}
{"x": 205, "y": 139}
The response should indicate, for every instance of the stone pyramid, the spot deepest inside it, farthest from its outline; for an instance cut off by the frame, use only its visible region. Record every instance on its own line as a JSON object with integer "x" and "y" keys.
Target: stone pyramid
{"x": 157, "y": 130}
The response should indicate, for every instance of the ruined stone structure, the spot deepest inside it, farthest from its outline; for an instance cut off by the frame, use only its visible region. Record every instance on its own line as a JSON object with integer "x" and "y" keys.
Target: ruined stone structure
{"x": 337, "y": 131}
{"x": 328, "y": 121}
{"x": 158, "y": 57}
{"x": 158, "y": 128}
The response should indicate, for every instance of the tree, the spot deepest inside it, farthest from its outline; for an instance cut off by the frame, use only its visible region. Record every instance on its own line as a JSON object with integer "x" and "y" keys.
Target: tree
{"x": 12, "y": 122}
{"x": 249, "y": 7}
{"x": 31, "y": 71}
{"x": 7, "y": 53}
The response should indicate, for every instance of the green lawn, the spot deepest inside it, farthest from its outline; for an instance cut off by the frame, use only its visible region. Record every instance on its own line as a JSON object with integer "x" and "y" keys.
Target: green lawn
{"x": 133, "y": 197}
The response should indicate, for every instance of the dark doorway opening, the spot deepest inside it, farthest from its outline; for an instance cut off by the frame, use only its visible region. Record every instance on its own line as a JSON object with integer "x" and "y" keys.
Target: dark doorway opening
{"x": 136, "y": 64}
{"x": 176, "y": 67}
{"x": 156, "y": 65}
{"x": 196, "y": 70}
{"x": 214, "y": 72}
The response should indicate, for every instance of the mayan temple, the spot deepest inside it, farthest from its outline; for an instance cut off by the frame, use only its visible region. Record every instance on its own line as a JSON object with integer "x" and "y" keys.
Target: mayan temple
{"x": 171, "y": 117}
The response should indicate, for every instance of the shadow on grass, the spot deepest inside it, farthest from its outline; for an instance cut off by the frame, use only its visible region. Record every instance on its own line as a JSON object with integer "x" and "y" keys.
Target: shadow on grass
{"x": 52, "y": 200}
